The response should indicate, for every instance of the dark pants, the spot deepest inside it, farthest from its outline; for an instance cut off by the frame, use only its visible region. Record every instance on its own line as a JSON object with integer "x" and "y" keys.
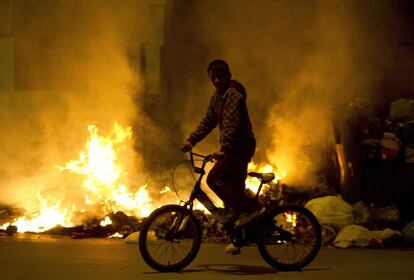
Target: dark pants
{"x": 227, "y": 179}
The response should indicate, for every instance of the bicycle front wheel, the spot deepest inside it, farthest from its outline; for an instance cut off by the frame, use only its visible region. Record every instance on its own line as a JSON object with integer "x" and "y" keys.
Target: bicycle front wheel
{"x": 290, "y": 238}
{"x": 170, "y": 238}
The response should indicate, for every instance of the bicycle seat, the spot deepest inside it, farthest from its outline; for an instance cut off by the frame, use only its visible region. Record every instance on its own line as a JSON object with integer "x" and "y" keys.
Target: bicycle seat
{"x": 266, "y": 177}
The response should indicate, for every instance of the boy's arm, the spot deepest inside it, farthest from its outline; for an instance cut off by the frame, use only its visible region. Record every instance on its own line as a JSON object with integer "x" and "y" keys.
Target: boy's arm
{"x": 208, "y": 123}
{"x": 231, "y": 120}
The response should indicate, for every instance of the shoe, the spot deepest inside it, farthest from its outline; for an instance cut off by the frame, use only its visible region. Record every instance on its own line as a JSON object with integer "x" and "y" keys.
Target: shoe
{"x": 247, "y": 218}
{"x": 232, "y": 249}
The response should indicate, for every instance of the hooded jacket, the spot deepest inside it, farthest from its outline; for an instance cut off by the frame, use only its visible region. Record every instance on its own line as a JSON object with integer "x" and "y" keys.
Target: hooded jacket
{"x": 229, "y": 112}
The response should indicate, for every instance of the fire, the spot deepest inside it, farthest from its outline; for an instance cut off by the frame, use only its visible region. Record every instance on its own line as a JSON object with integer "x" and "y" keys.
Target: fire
{"x": 105, "y": 186}
{"x": 106, "y": 221}
{"x": 48, "y": 216}
{"x": 4, "y": 227}
{"x": 105, "y": 179}
{"x": 116, "y": 235}
{"x": 98, "y": 163}
{"x": 291, "y": 218}
{"x": 253, "y": 183}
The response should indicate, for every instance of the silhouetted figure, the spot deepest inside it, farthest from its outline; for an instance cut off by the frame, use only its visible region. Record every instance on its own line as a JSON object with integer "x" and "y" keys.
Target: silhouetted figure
{"x": 228, "y": 111}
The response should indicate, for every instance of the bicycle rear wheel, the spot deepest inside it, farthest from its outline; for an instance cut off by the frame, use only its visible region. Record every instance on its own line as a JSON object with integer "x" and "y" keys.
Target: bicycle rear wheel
{"x": 290, "y": 238}
{"x": 170, "y": 238}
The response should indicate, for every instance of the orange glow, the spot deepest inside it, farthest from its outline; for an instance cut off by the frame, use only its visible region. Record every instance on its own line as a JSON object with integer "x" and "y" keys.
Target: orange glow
{"x": 104, "y": 185}
{"x": 48, "y": 216}
{"x": 105, "y": 178}
{"x": 253, "y": 183}
{"x": 106, "y": 221}
{"x": 291, "y": 218}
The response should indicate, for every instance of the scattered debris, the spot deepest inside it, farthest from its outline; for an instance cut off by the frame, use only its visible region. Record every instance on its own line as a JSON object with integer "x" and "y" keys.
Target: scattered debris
{"x": 343, "y": 225}
{"x": 388, "y": 215}
{"x": 11, "y": 230}
{"x": 328, "y": 234}
{"x": 121, "y": 226}
{"x": 362, "y": 214}
{"x": 402, "y": 110}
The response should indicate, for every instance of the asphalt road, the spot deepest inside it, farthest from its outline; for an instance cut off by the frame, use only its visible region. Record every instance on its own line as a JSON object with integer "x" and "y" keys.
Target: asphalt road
{"x": 39, "y": 257}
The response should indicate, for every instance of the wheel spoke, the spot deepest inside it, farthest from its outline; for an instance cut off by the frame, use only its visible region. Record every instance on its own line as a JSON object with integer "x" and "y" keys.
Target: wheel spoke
{"x": 290, "y": 252}
{"x": 164, "y": 250}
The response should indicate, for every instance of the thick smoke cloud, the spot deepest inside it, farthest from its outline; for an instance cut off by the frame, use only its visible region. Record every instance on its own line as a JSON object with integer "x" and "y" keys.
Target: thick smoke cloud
{"x": 301, "y": 62}
{"x": 77, "y": 63}
{"x": 72, "y": 69}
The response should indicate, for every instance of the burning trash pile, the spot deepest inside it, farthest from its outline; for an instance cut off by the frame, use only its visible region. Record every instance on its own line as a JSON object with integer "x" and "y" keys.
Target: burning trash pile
{"x": 108, "y": 204}
{"x": 111, "y": 207}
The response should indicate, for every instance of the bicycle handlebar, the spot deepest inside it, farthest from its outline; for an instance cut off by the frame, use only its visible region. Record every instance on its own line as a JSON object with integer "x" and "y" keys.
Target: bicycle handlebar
{"x": 206, "y": 159}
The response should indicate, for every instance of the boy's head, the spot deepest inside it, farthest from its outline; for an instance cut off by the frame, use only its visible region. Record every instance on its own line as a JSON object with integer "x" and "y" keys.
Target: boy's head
{"x": 219, "y": 72}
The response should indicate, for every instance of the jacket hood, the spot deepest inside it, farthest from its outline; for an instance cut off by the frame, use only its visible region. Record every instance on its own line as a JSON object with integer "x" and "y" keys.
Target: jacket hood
{"x": 239, "y": 87}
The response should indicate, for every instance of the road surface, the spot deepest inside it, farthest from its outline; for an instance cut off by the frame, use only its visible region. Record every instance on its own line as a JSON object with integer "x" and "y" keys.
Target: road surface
{"x": 44, "y": 257}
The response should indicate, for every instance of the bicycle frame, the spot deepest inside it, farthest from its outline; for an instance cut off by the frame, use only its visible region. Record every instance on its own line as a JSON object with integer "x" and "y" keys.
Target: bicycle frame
{"x": 201, "y": 196}
{"x": 197, "y": 192}
{"x": 271, "y": 228}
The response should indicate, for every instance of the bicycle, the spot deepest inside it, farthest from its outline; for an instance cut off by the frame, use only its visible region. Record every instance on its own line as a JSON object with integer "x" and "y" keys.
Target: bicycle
{"x": 171, "y": 236}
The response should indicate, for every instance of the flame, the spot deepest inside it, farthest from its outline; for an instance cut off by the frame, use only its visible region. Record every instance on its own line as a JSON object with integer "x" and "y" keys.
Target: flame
{"x": 98, "y": 164}
{"x": 4, "y": 227}
{"x": 291, "y": 218}
{"x": 106, "y": 221}
{"x": 105, "y": 186}
{"x": 116, "y": 235}
{"x": 252, "y": 183}
{"x": 105, "y": 179}
{"x": 48, "y": 216}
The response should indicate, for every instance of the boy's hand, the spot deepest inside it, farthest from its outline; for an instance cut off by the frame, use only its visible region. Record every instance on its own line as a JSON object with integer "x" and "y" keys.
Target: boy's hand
{"x": 186, "y": 147}
{"x": 219, "y": 155}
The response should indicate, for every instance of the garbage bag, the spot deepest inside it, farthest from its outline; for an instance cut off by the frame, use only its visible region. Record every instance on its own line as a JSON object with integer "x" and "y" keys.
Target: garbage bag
{"x": 402, "y": 110}
{"x": 408, "y": 232}
{"x": 356, "y": 236}
{"x": 132, "y": 238}
{"x": 362, "y": 214}
{"x": 388, "y": 215}
{"x": 331, "y": 210}
{"x": 387, "y": 236}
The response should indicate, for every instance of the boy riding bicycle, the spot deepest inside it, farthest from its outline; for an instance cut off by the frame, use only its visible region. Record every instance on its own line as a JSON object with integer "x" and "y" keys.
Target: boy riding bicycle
{"x": 228, "y": 110}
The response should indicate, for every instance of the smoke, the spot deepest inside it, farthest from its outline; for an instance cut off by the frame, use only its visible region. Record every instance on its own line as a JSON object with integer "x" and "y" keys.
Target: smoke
{"x": 78, "y": 63}
{"x": 73, "y": 68}
{"x": 300, "y": 61}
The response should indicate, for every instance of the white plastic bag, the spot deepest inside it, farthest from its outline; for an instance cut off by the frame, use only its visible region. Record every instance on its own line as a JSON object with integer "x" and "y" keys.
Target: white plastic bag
{"x": 408, "y": 232}
{"x": 356, "y": 236}
{"x": 331, "y": 210}
{"x": 132, "y": 238}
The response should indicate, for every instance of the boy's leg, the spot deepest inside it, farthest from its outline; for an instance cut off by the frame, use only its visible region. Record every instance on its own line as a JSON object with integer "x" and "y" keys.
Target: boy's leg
{"x": 237, "y": 184}
{"x": 227, "y": 180}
